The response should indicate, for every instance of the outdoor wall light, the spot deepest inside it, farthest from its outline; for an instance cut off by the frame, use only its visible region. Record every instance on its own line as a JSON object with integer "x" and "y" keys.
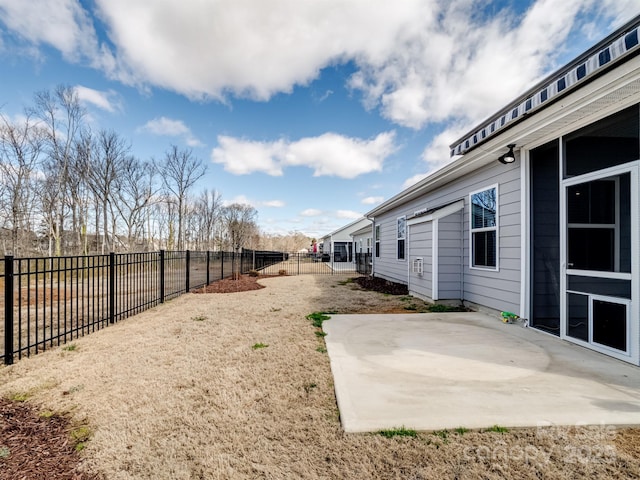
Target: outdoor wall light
{"x": 508, "y": 157}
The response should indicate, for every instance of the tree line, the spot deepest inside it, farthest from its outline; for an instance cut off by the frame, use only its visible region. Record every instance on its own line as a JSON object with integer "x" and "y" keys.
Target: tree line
{"x": 68, "y": 190}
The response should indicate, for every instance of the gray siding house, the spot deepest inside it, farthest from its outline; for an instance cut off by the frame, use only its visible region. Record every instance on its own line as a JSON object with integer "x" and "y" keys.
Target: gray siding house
{"x": 539, "y": 213}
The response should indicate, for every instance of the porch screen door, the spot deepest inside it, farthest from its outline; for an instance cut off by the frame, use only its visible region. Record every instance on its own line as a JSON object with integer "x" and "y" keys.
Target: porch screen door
{"x": 599, "y": 261}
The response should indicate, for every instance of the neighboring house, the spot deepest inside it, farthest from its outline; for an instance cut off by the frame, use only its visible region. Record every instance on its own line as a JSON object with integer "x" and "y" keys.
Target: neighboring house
{"x": 540, "y": 215}
{"x": 339, "y": 243}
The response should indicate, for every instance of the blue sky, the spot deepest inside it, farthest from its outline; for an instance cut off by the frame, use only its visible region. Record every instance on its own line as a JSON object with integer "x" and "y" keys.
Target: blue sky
{"x": 311, "y": 111}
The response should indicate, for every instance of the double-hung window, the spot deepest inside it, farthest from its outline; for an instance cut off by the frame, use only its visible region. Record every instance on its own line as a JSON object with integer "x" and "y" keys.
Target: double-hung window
{"x": 402, "y": 235}
{"x": 484, "y": 228}
{"x": 377, "y": 239}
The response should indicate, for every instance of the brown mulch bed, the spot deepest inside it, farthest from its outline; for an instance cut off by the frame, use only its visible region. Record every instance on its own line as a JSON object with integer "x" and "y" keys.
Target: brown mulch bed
{"x": 381, "y": 285}
{"x": 33, "y": 446}
{"x": 243, "y": 283}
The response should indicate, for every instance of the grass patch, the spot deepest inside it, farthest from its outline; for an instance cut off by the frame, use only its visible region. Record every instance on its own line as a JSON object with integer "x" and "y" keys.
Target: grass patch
{"x": 4, "y": 452}
{"x": 398, "y": 432}
{"x": 80, "y": 435}
{"x": 442, "y": 434}
{"x": 461, "y": 430}
{"x": 199, "y": 318}
{"x": 321, "y": 349}
{"x": 257, "y": 346}
{"x": 19, "y": 396}
{"x": 317, "y": 318}
{"x": 411, "y": 307}
{"x": 72, "y": 347}
{"x": 497, "y": 429}
{"x": 320, "y": 334}
{"x": 308, "y": 387}
{"x": 346, "y": 282}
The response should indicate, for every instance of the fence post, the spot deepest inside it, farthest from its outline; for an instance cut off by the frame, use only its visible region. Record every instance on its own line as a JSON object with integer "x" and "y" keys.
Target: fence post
{"x": 187, "y": 265}
{"x": 221, "y": 264}
{"x": 161, "y": 276}
{"x": 208, "y": 263}
{"x": 8, "y": 309}
{"x": 112, "y": 287}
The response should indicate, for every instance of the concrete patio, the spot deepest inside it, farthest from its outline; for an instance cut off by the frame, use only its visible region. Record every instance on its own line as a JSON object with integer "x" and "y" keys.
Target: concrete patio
{"x": 446, "y": 370}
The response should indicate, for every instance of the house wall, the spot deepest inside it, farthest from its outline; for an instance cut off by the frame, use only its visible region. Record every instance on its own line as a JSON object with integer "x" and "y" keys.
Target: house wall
{"x": 450, "y": 256}
{"x": 494, "y": 289}
{"x": 421, "y": 245}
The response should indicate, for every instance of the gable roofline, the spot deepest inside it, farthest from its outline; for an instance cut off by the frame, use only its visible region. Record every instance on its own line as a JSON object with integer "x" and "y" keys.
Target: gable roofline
{"x": 346, "y": 227}
{"x": 616, "y": 48}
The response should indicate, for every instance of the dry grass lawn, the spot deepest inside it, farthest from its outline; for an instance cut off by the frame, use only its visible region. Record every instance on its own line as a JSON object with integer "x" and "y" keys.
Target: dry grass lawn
{"x": 238, "y": 386}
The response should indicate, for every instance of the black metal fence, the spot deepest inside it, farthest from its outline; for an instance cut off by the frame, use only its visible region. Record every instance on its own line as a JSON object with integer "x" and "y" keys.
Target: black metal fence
{"x": 51, "y": 301}
{"x": 363, "y": 263}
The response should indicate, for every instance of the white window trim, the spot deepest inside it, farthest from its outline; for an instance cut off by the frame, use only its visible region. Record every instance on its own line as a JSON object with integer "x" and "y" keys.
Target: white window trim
{"x": 485, "y": 229}
{"x": 403, "y": 217}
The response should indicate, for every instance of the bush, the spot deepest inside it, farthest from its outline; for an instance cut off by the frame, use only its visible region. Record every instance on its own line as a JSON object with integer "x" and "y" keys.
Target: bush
{"x": 254, "y": 273}
{"x": 282, "y": 272}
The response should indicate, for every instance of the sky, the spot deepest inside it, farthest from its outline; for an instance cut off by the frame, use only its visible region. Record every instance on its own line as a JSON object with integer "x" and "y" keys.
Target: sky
{"x": 312, "y": 111}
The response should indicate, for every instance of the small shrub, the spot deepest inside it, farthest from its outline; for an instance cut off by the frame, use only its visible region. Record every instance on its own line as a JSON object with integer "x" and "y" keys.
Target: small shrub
{"x": 320, "y": 334}
{"x": 254, "y": 273}
{"x": 398, "y": 432}
{"x": 257, "y": 346}
{"x": 70, "y": 348}
{"x": 282, "y": 272}
{"x": 321, "y": 349}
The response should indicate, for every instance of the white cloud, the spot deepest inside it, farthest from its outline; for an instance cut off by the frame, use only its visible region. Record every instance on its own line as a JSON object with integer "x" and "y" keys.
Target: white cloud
{"x": 348, "y": 214}
{"x": 372, "y": 200}
{"x": 108, "y": 101}
{"x": 311, "y": 212}
{"x": 428, "y": 61}
{"x": 329, "y": 154}
{"x": 273, "y": 203}
{"x": 62, "y": 24}
{"x": 164, "y": 126}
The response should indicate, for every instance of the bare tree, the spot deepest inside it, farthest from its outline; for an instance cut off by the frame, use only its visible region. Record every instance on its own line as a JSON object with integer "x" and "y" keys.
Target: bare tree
{"x": 105, "y": 167}
{"x": 20, "y": 148}
{"x": 61, "y": 116}
{"x": 208, "y": 209}
{"x": 240, "y": 224}
{"x": 136, "y": 191}
{"x": 180, "y": 171}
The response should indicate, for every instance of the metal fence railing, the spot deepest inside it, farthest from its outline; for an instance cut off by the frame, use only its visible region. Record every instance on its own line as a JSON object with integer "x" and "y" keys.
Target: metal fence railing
{"x": 50, "y": 301}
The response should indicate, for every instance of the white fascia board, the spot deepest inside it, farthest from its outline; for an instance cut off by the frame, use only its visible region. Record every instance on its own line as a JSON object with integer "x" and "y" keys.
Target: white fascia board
{"x": 439, "y": 213}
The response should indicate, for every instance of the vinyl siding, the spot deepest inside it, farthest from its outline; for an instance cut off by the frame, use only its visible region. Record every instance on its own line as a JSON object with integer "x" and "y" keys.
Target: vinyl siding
{"x": 499, "y": 289}
{"x": 450, "y": 260}
{"x": 421, "y": 245}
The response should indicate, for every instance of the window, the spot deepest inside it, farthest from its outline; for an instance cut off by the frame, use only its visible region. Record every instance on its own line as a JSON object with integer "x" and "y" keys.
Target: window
{"x": 377, "y": 235}
{"x": 368, "y": 244}
{"x": 402, "y": 234}
{"x": 484, "y": 228}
